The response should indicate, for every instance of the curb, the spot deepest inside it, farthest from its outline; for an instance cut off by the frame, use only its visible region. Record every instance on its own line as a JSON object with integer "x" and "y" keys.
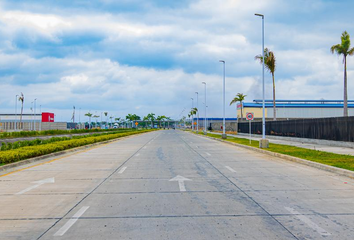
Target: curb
{"x": 339, "y": 171}
{"x": 36, "y": 159}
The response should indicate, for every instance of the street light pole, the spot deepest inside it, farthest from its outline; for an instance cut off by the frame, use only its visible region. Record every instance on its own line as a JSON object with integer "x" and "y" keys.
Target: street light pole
{"x": 205, "y": 116}
{"x": 223, "y": 96}
{"x": 16, "y": 112}
{"x": 197, "y": 112}
{"x": 263, "y": 143}
{"x": 192, "y": 116}
{"x": 40, "y": 123}
{"x": 34, "y": 119}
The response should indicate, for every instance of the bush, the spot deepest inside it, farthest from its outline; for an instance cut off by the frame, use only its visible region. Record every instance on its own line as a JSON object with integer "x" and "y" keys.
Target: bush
{"x": 13, "y": 155}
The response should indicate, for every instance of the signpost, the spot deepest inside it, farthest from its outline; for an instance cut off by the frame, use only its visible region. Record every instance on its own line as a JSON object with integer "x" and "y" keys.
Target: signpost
{"x": 136, "y": 124}
{"x": 249, "y": 117}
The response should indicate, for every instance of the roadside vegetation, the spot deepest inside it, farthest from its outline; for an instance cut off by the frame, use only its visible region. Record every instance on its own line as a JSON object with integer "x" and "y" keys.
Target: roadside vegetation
{"x": 42, "y": 147}
{"x": 53, "y": 132}
{"x": 331, "y": 159}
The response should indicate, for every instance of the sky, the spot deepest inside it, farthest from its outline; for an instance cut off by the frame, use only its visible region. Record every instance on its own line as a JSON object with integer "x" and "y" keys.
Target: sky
{"x": 141, "y": 56}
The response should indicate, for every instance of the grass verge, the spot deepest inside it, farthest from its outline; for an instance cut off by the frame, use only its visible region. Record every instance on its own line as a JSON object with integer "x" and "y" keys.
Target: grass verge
{"x": 15, "y": 155}
{"x": 4, "y": 135}
{"x": 331, "y": 159}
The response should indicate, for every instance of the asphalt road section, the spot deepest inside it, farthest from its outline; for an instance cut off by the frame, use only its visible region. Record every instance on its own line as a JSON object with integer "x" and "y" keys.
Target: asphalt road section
{"x": 174, "y": 185}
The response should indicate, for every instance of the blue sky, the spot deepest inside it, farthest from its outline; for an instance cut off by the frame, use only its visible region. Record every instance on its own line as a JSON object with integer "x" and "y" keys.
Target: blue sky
{"x": 133, "y": 56}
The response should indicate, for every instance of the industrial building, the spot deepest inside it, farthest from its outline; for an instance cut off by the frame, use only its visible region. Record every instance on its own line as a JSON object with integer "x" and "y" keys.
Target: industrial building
{"x": 292, "y": 109}
{"x": 28, "y": 122}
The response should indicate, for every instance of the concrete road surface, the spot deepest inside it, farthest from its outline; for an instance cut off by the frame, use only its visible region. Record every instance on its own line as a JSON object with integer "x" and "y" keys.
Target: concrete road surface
{"x": 174, "y": 185}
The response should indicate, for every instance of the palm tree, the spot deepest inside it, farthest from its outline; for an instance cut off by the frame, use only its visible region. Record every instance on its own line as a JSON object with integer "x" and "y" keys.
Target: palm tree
{"x": 89, "y": 115}
{"x": 344, "y": 49}
{"x": 21, "y": 99}
{"x": 192, "y": 113}
{"x": 96, "y": 116}
{"x": 151, "y": 117}
{"x": 270, "y": 64}
{"x": 240, "y": 97}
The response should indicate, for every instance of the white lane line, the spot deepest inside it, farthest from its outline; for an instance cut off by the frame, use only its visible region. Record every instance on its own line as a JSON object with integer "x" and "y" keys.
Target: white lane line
{"x": 306, "y": 220}
{"x": 38, "y": 183}
{"x": 144, "y": 147}
{"x": 71, "y": 222}
{"x": 232, "y": 170}
{"x": 208, "y": 154}
{"x": 122, "y": 170}
{"x": 136, "y": 155}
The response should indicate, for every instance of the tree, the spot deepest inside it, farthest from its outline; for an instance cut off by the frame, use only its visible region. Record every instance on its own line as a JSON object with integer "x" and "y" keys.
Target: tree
{"x": 151, "y": 117}
{"x": 161, "y": 118}
{"x": 96, "y": 116}
{"x": 89, "y": 115}
{"x": 270, "y": 65}
{"x": 344, "y": 49}
{"x": 21, "y": 99}
{"x": 240, "y": 97}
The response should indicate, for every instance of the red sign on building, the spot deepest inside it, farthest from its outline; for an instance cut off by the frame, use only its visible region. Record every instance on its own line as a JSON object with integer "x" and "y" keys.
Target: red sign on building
{"x": 47, "y": 117}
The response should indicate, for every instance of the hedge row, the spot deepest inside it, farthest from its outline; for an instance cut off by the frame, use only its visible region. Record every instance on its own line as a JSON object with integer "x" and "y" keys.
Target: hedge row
{"x": 54, "y": 132}
{"x": 35, "y": 142}
{"x": 15, "y": 155}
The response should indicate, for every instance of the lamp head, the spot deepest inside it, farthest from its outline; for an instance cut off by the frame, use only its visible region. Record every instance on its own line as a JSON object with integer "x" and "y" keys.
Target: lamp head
{"x": 259, "y": 15}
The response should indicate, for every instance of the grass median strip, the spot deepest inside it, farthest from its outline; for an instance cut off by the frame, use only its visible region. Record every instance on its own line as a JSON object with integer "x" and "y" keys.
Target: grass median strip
{"x": 22, "y": 153}
{"x": 331, "y": 159}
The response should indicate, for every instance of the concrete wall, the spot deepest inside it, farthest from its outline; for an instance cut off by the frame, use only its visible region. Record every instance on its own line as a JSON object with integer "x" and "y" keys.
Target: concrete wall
{"x": 229, "y": 126}
{"x": 27, "y": 126}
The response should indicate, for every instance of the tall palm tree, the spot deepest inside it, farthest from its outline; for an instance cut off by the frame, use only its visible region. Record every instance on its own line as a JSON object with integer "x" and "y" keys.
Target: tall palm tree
{"x": 270, "y": 64}
{"x": 344, "y": 49}
{"x": 21, "y": 99}
{"x": 89, "y": 115}
{"x": 240, "y": 97}
{"x": 151, "y": 117}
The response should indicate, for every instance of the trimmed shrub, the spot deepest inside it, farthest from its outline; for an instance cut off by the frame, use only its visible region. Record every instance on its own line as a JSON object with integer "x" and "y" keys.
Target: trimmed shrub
{"x": 29, "y": 151}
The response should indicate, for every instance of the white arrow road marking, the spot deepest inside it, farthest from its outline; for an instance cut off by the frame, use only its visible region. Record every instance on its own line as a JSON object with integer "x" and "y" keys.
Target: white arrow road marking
{"x": 71, "y": 222}
{"x": 122, "y": 170}
{"x": 208, "y": 154}
{"x": 232, "y": 170}
{"x": 37, "y": 184}
{"x": 180, "y": 180}
{"x": 306, "y": 220}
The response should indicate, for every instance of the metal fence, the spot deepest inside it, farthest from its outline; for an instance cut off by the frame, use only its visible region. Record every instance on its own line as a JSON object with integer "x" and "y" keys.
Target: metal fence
{"x": 337, "y": 128}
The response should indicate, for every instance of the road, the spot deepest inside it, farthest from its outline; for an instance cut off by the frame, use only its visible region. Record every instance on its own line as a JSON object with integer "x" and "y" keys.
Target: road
{"x": 174, "y": 185}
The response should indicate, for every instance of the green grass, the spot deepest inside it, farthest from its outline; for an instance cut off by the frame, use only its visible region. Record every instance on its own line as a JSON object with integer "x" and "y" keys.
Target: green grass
{"x": 14, "y": 155}
{"x": 18, "y": 134}
{"x": 331, "y": 159}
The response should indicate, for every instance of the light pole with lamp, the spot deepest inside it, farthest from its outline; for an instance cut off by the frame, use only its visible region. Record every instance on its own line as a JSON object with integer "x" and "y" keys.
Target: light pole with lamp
{"x": 34, "y": 113}
{"x": 16, "y": 113}
{"x": 197, "y": 112}
{"x": 223, "y": 97}
{"x": 205, "y": 103}
{"x": 263, "y": 143}
{"x": 192, "y": 116}
{"x": 40, "y": 123}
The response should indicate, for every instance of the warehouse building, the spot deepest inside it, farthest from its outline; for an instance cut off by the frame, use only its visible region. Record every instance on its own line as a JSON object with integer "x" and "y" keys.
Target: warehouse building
{"x": 292, "y": 109}
{"x": 28, "y": 122}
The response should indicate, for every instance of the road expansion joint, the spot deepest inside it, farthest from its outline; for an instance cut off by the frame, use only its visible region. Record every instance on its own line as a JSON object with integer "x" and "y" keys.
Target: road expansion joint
{"x": 88, "y": 194}
{"x": 234, "y": 184}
